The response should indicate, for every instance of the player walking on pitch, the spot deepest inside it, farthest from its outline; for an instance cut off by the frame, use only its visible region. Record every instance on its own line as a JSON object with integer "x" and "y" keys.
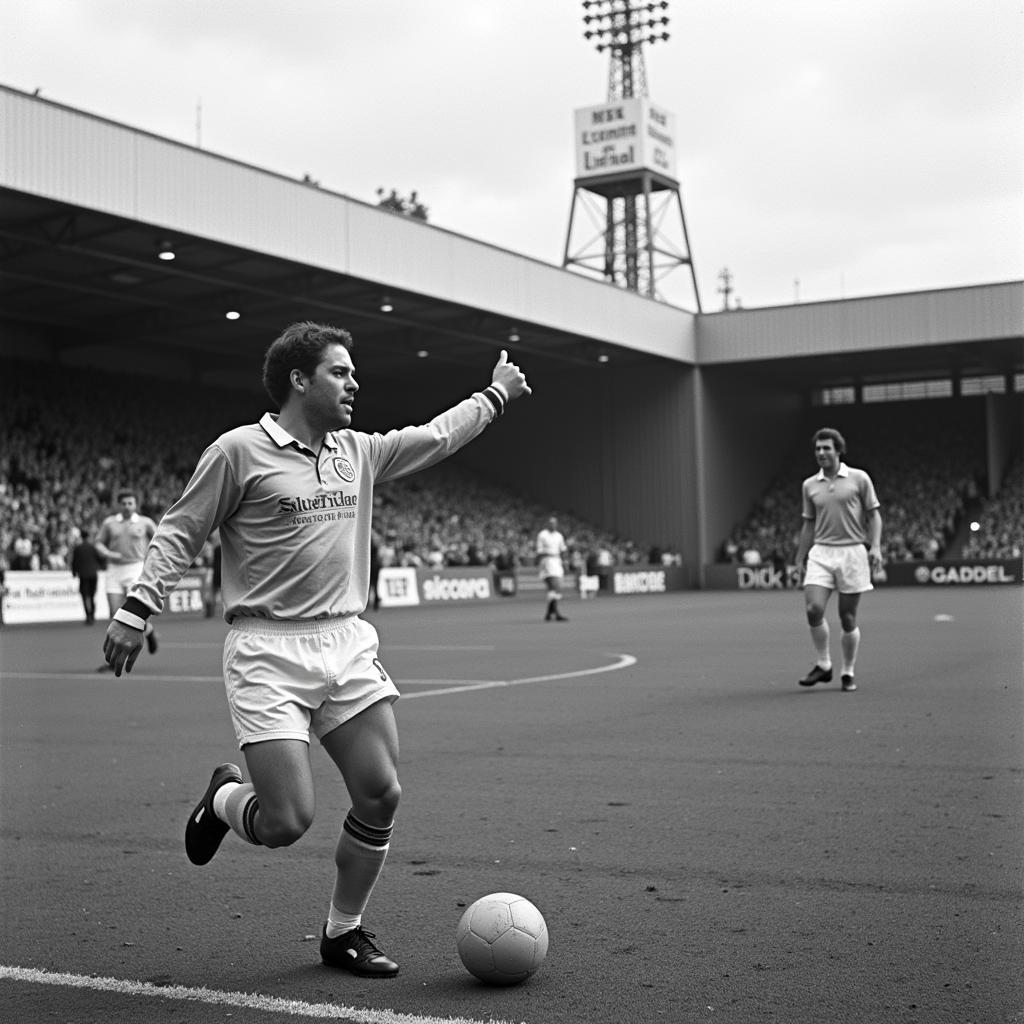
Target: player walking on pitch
{"x": 121, "y": 543}
{"x": 550, "y": 548}
{"x": 839, "y": 549}
{"x": 293, "y": 498}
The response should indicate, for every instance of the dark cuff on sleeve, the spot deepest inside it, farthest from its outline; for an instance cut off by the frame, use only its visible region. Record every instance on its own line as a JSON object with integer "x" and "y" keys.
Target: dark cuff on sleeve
{"x": 136, "y": 607}
{"x": 496, "y": 398}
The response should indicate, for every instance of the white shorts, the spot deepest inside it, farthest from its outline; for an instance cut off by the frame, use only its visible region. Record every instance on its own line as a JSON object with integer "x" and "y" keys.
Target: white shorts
{"x": 120, "y": 576}
{"x": 551, "y": 566}
{"x": 844, "y": 568}
{"x": 285, "y": 679}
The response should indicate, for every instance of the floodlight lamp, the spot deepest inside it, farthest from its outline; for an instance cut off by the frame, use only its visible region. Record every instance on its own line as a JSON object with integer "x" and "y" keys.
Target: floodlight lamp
{"x": 422, "y": 354}
{"x": 513, "y": 335}
{"x": 165, "y": 250}
{"x": 603, "y": 357}
{"x": 386, "y": 305}
{"x": 232, "y": 314}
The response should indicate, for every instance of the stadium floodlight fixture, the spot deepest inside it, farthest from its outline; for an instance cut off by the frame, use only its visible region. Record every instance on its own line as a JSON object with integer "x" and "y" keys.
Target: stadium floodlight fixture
{"x": 623, "y": 26}
{"x": 232, "y": 314}
{"x": 513, "y": 334}
{"x": 422, "y": 354}
{"x": 165, "y": 250}
{"x": 386, "y": 305}
{"x": 603, "y": 357}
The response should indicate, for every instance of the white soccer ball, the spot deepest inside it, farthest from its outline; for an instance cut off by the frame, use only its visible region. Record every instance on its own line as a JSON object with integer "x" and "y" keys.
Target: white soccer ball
{"x": 502, "y": 938}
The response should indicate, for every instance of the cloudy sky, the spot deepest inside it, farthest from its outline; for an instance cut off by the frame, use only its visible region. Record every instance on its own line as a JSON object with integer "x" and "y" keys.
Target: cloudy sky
{"x": 825, "y": 148}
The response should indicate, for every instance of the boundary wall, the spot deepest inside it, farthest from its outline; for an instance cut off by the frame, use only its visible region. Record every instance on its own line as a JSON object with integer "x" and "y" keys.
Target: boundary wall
{"x": 940, "y": 573}
{"x": 50, "y": 596}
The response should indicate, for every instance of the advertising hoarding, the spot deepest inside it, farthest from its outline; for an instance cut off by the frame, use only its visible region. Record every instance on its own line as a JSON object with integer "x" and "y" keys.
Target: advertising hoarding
{"x": 626, "y": 135}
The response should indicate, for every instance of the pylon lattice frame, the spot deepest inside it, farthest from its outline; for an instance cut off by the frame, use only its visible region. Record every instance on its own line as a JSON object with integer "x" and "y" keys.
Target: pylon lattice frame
{"x": 630, "y": 246}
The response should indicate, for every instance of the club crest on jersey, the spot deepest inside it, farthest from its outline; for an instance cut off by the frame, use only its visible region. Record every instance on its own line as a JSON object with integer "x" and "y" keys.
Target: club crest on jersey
{"x": 344, "y": 469}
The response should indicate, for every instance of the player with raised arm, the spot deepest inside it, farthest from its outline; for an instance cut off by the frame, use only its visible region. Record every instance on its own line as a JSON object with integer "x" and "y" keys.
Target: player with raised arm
{"x": 292, "y": 496}
{"x": 839, "y": 549}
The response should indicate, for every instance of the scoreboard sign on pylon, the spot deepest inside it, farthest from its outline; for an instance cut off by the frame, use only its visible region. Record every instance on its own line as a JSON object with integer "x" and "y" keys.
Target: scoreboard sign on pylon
{"x": 625, "y": 135}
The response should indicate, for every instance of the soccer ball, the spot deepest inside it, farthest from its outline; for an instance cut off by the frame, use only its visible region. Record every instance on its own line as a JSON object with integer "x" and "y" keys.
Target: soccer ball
{"x": 502, "y": 938}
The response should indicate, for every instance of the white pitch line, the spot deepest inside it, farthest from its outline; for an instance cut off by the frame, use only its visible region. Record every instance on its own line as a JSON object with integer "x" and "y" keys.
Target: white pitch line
{"x": 624, "y": 661}
{"x": 453, "y": 686}
{"x": 214, "y": 997}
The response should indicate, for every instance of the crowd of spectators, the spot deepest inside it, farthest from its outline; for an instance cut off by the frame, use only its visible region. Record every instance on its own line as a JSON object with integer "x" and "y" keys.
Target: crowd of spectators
{"x": 1000, "y": 532}
{"x": 927, "y": 473}
{"x": 67, "y": 448}
{"x": 446, "y": 516}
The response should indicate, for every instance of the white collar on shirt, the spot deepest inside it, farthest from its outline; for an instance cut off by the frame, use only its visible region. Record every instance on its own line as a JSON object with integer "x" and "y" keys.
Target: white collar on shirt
{"x": 282, "y": 438}
{"x": 844, "y": 470}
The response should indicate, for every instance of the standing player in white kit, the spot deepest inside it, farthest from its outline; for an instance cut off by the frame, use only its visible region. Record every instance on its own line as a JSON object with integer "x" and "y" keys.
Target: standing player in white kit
{"x": 550, "y": 548}
{"x": 292, "y": 496}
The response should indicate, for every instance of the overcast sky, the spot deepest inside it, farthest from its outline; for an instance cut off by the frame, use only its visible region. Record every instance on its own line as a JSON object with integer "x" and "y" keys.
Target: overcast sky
{"x": 825, "y": 148}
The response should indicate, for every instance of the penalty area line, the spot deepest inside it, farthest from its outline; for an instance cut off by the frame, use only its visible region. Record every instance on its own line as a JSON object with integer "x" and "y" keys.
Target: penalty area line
{"x": 214, "y": 997}
{"x": 622, "y": 661}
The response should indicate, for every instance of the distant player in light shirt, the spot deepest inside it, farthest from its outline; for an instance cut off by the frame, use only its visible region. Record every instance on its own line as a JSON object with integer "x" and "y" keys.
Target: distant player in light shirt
{"x": 293, "y": 498}
{"x": 122, "y": 542}
{"x": 551, "y": 547}
{"x": 839, "y": 549}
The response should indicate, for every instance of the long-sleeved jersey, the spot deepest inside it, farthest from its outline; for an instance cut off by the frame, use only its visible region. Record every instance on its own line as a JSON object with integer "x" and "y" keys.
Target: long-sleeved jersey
{"x": 295, "y": 524}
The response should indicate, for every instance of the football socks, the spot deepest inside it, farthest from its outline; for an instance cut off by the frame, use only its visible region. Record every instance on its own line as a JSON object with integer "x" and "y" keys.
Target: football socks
{"x": 362, "y": 850}
{"x": 820, "y": 638}
{"x": 849, "y": 643}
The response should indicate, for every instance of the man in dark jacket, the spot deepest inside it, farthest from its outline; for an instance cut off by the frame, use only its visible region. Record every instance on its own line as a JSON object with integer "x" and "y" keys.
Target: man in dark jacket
{"x": 86, "y": 564}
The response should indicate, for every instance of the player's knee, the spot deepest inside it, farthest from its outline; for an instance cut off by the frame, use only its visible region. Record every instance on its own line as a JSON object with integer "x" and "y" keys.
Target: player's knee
{"x": 378, "y": 806}
{"x": 848, "y": 620}
{"x": 815, "y": 613}
{"x": 388, "y": 799}
{"x": 284, "y": 828}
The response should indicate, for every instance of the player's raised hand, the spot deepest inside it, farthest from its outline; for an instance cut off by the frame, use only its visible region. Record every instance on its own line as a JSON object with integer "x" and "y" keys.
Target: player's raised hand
{"x": 510, "y": 377}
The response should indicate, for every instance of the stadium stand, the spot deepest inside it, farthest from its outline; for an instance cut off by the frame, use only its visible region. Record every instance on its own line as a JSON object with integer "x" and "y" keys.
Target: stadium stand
{"x": 927, "y": 461}
{"x": 1000, "y": 532}
{"x": 71, "y": 440}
